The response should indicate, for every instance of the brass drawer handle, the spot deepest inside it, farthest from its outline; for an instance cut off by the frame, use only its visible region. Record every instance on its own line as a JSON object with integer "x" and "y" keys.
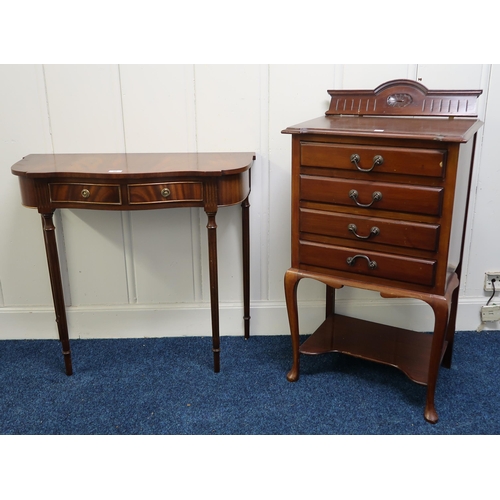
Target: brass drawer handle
{"x": 165, "y": 192}
{"x": 376, "y": 196}
{"x": 371, "y": 263}
{"x": 373, "y": 231}
{"x": 377, "y": 160}
{"x": 85, "y": 193}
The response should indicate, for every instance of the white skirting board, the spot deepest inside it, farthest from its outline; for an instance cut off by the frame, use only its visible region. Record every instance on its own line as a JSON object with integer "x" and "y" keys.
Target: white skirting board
{"x": 177, "y": 320}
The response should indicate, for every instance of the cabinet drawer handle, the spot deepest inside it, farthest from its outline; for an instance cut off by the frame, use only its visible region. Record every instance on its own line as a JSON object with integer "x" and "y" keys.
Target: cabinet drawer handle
{"x": 165, "y": 192}
{"x": 376, "y": 196}
{"x": 373, "y": 231}
{"x": 85, "y": 193}
{"x": 371, "y": 263}
{"x": 377, "y": 160}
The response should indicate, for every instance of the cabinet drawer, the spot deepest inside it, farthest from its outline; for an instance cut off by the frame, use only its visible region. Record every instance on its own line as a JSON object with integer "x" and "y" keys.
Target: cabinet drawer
{"x": 407, "y": 161}
{"x": 371, "y": 229}
{"x": 100, "y": 194}
{"x": 383, "y": 265}
{"x": 395, "y": 197}
{"x": 167, "y": 192}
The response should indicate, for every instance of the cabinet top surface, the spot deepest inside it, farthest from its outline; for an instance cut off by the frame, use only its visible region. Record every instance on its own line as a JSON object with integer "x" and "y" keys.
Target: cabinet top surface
{"x": 133, "y": 165}
{"x": 436, "y": 129}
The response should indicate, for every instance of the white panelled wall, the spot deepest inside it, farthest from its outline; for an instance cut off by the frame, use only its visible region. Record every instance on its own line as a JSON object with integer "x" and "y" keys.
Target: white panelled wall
{"x": 142, "y": 274}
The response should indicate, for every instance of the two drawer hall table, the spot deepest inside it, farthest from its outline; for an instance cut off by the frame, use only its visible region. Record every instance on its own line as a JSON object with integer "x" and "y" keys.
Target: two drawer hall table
{"x": 138, "y": 181}
{"x": 380, "y": 190}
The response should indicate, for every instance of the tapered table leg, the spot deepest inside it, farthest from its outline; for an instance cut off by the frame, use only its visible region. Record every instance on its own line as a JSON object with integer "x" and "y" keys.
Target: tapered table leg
{"x": 214, "y": 287}
{"x": 245, "y": 214}
{"x": 56, "y": 285}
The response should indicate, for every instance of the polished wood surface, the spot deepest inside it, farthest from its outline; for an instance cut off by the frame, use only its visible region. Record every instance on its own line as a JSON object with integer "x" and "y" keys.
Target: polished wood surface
{"x": 457, "y": 130}
{"x": 380, "y": 203}
{"x": 130, "y": 165}
{"x": 403, "y": 349}
{"x": 140, "y": 181}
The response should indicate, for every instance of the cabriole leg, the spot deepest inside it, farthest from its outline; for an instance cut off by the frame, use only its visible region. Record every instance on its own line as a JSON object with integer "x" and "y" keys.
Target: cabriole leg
{"x": 441, "y": 307}
{"x": 291, "y": 281}
{"x": 441, "y": 313}
{"x": 450, "y": 330}
{"x": 330, "y": 301}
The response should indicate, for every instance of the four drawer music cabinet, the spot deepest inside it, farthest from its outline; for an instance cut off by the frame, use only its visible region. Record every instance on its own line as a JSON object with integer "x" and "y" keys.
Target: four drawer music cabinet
{"x": 380, "y": 190}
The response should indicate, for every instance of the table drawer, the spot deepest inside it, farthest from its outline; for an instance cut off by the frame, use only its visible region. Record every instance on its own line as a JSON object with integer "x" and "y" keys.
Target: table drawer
{"x": 374, "y": 264}
{"x": 167, "y": 192}
{"x": 100, "y": 194}
{"x": 371, "y": 229}
{"x": 424, "y": 200}
{"x": 407, "y": 161}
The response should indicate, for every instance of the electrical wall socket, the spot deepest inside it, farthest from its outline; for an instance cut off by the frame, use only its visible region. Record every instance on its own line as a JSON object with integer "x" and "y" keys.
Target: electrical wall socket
{"x": 490, "y": 313}
{"x": 488, "y": 287}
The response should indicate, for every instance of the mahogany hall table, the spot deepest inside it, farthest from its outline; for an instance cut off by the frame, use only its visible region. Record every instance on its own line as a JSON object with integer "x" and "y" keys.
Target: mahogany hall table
{"x": 138, "y": 181}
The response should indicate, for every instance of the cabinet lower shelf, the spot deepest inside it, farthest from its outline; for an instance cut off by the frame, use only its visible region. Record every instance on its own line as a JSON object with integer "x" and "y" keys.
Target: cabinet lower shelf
{"x": 406, "y": 350}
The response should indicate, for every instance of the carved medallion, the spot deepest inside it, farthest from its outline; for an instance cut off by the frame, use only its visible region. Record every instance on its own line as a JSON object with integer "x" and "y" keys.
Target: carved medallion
{"x": 399, "y": 100}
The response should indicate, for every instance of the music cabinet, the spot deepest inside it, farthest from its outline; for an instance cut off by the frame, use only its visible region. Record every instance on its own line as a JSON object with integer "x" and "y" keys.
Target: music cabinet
{"x": 380, "y": 190}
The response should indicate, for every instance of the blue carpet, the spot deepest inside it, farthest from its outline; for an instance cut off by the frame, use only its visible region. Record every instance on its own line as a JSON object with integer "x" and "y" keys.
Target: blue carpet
{"x": 167, "y": 387}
